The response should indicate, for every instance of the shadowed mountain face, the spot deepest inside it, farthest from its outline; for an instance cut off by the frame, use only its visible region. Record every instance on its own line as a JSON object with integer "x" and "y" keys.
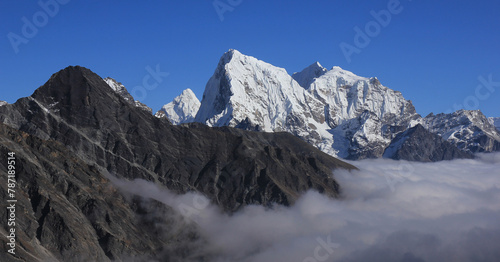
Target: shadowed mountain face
{"x": 75, "y": 128}
{"x": 68, "y": 210}
{"x": 418, "y": 144}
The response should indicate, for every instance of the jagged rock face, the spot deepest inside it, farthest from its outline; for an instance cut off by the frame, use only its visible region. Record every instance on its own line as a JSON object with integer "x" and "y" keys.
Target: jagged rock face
{"x": 365, "y": 112}
{"x": 361, "y": 137}
{"x": 2, "y": 103}
{"x": 338, "y": 112}
{"x": 78, "y": 128}
{"x": 120, "y": 89}
{"x": 418, "y": 144}
{"x": 348, "y": 96}
{"x": 182, "y": 109}
{"x": 67, "y": 210}
{"x": 466, "y": 129}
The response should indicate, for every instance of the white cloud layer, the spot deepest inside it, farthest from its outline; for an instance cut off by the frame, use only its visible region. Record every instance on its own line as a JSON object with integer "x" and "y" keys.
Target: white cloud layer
{"x": 390, "y": 211}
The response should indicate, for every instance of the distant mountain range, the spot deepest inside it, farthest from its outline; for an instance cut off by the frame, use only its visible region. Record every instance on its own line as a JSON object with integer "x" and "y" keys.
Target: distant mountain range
{"x": 340, "y": 113}
{"x": 258, "y": 137}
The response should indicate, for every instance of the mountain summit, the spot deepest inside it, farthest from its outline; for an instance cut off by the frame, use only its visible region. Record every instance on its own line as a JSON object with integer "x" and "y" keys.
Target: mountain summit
{"x": 250, "y": 94}
{"x": 307, "y": 76}
{"x": 182, "y": 109}
{"x": 337, "y": 111}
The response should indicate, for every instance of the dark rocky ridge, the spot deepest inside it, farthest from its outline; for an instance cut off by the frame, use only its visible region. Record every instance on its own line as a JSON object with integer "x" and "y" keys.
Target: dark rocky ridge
{"x": 77, "y": 108}
{"x": 67, "y": 210}
{"x": 418, "y": 144}
{"x": 78, "y": 127}
{"x": 469, "y": 130}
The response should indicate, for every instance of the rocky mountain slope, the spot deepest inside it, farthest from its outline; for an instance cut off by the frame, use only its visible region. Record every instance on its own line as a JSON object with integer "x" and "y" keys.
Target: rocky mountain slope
{"x": 468, "y": 130}
{"x": 75, "y": 130}
{"x": 419, "y": 144}
{"x": 67, "y": 210}
{"x": 364, "y": 114}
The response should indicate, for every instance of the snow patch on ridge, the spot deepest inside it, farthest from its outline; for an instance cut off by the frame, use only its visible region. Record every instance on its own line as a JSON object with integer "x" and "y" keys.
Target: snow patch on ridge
{"x": 122, "y": 91}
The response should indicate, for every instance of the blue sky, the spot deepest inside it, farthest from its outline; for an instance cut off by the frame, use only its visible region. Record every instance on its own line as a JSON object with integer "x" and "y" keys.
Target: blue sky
{"x": 434, "y": 52}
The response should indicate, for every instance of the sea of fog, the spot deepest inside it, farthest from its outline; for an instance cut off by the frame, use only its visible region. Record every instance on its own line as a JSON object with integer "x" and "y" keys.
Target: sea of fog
{"x": 389, "y": 211}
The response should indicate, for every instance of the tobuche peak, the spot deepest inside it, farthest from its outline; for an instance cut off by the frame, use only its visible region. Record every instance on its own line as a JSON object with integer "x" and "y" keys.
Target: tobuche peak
{"x": 182, "y": 109}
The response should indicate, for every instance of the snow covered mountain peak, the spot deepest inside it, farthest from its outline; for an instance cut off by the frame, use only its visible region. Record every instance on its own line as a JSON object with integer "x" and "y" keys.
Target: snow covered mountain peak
{"x": 188, "y": 93}
{"x": 337, "y": 111}
{"x": 343, "y": 77}
{"x": 235, "y": 60}
{"x": 307, "y": 76}
{"x": 182, "y": 109}
{"x": 251, "y": 94}
{"x": 245, "y": 90}
{"x": 347, "y": 96}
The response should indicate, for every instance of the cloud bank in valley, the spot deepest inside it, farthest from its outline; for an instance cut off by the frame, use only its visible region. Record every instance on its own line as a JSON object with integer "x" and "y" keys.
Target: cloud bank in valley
{"x": 390, "y": 211}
